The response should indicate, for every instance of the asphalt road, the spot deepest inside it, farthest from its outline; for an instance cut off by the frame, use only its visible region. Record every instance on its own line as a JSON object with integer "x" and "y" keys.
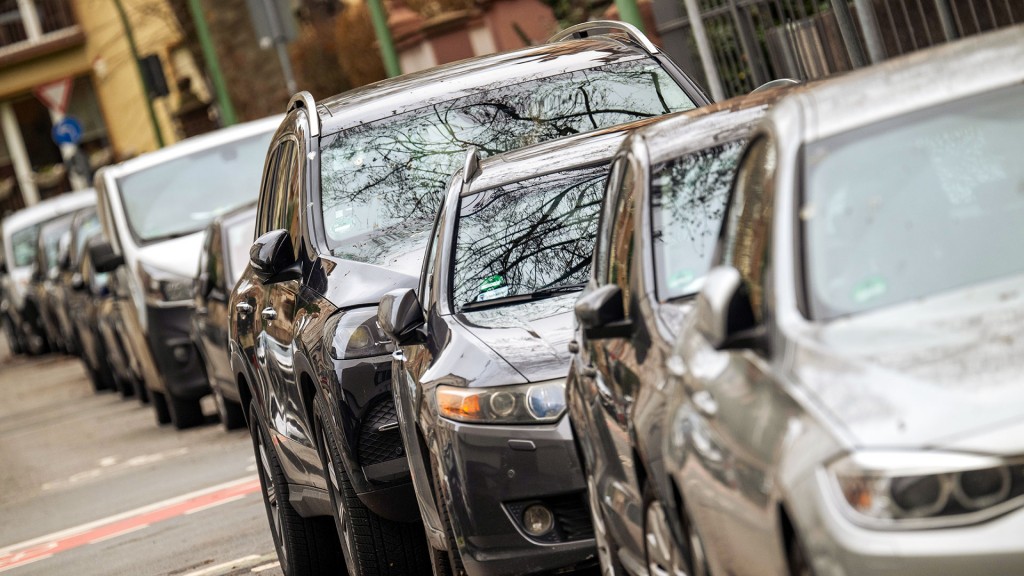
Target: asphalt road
{"x": 90, "y": 485}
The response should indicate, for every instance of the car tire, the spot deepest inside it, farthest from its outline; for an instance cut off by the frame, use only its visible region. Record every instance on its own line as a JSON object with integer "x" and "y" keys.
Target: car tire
{"x": 797, "y": 558}
{"x": 455, "y": 564}
{"x": 305, "y": 546}
{"x": 99, "y": 384}
{"x": 185, "y": 412}
{"x": 370, "y": 544}
{"x": 663, "y": 553}
{"x": 231, "y": 414}
{"x": 160, "y": 407}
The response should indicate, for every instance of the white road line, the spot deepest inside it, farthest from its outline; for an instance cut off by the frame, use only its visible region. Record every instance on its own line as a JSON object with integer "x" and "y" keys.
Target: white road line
{"x": 117, "y": 517}
{"x": 243, "y": 562}
{"x": 215, "y": 504}
{"x": 117, "y": 534}
{"x": 265, "y": 567}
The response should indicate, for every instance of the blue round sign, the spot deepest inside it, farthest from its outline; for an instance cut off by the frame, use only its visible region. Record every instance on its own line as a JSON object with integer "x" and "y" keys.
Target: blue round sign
{"x": 67, "y": 131}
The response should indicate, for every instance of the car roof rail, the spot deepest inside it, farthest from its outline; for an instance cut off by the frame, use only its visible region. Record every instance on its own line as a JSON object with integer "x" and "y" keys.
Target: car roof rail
{"x": 305, "y": 100}
{"x": 585, "y": 29}
{"x": 472, "y": 164}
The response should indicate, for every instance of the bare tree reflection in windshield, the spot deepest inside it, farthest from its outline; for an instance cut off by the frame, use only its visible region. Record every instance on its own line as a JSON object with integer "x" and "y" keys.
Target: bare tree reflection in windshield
{"x": 530, "y": 237}
{"x": 688, "y": 198}
{"x": 387, "y": 177}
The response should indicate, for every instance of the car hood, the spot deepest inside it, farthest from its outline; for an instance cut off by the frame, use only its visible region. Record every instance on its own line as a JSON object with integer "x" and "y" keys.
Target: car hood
{"x": 179, "y": 256}
{"x": 348, "y": 283}
{"x": 532, "y": 338}
{"x": 931, "y": 373}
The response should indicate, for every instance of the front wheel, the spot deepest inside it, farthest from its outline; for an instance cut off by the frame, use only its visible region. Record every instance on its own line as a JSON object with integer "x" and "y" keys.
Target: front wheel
{"x": 665, "y": 555}
{"x": 369, "y": 543}
{"x": 305, "y": 546}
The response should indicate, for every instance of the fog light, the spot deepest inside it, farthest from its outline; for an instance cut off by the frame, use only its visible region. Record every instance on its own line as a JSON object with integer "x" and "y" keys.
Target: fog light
{"x": 538, "y": 520}
{"x": 181, "y": 354}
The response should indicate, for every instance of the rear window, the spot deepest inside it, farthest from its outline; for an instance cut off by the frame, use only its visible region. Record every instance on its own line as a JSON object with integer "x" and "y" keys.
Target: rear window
{"x": 385, "y": 179}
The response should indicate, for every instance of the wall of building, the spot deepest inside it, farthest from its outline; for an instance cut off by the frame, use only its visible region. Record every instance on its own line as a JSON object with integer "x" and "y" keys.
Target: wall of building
{"x": 116, "y": 76}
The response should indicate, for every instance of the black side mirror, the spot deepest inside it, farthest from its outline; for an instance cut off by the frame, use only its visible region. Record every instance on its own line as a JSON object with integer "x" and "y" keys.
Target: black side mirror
{"x": 103, "y": 257}
{"x": 725, "y": 316}
{"x": 272, "y": 258}
{"x": 602, "y": 314}
{"x": 401, "y": 317}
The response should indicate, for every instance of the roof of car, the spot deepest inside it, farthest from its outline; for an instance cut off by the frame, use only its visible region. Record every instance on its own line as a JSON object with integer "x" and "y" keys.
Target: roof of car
{"x": 48, "y": 209}
{"x": 919, "y": 80}
{"x": 673, "y": 136}
{"x": 450, "y": 81}
{"x": 189, "y": 145}
{"x": 551, "y": 156}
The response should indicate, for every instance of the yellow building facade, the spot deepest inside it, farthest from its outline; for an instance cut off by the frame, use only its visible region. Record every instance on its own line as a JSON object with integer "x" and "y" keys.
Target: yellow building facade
{"x": 47, "y": 41}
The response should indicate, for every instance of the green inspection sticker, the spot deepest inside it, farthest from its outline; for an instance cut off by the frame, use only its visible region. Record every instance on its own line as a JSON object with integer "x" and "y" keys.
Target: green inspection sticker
{"x": 869, "y": 289}
{"x": 680, "y": 279}
{"x": 491, "y": 283}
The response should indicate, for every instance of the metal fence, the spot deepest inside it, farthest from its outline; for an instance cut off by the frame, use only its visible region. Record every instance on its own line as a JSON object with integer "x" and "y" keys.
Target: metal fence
{"x": 733, "y": 46}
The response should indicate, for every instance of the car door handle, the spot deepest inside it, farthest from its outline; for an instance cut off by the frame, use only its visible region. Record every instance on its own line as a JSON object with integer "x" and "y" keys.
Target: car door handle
{"x": 269, "y": 313}
{"x": 705, "y": 403}
{"x": 244, "y": 309}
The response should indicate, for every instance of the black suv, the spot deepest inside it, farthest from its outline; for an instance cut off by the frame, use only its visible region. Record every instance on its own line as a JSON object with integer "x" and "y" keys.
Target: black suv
{"x": 350, "y": 189}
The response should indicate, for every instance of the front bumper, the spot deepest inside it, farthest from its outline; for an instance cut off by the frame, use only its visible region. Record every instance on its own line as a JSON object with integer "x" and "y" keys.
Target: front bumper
{"x": 838, "y": 547}
{"x": 174, "y": 356}
{"x": 493, "y": 473}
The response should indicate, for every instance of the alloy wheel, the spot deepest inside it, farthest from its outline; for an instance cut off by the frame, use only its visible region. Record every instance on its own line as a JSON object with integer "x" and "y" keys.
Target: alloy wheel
{"x": 663, "y": 556}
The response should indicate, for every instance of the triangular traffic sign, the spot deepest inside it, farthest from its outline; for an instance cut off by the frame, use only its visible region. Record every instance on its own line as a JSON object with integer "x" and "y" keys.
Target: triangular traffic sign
{"x": 55, "y": 95}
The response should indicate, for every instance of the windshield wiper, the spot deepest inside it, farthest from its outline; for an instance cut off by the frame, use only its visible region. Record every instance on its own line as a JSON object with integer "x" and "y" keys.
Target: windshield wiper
{"x": 519, "y": 298}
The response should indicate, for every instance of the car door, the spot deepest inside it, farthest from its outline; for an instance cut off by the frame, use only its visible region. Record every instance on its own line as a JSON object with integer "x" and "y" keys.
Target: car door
{"x": 615, "y": 369}
{"x": 738, "y": 417}
{"x": 215, "y": 336}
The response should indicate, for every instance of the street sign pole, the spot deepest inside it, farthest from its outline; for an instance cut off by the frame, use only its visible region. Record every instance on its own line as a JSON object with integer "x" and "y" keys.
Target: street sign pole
{"x": 130, "y": 36}
{"x": 66, "y": 131}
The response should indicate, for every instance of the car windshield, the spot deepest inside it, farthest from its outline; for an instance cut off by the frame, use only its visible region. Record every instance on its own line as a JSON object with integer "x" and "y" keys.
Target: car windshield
{"x": 688, "y": 198}
{"x": 51, "y": 234}
{"x": 914, "y": 206}
{"x": 386, "y": 178}
{"x": 87, "y": 228}
{"x": 532, "y": 236}
{"x": 23, "y": 245}
{"x": 240, "y": 237}
{"x": 184, "y": 195}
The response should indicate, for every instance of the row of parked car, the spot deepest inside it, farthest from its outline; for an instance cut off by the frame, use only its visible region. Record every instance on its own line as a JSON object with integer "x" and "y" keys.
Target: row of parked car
{"x": 553, "y": 309}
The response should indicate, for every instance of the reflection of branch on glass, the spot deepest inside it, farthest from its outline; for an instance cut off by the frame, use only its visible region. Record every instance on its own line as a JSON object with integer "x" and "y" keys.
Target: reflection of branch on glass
{"x": 528, "y": 235}
{"x": 688, "y": 198}
{"x": 396, "y": 169}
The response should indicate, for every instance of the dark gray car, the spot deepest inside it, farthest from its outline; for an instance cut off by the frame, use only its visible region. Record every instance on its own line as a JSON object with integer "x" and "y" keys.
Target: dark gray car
{"x": 662, "y": 215}
{"x": 480, "y": 377}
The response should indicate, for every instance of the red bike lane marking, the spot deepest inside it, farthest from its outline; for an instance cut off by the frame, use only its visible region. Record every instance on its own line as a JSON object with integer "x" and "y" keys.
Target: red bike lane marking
{"x": 38, "y": 549}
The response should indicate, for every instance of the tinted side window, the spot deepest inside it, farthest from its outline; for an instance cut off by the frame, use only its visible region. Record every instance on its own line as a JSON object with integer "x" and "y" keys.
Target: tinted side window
{"x": 604, "y": 230}
{"x": 620, "y": 250}
{"x": 748, "y": 224}
{"x": 267, "y": 194}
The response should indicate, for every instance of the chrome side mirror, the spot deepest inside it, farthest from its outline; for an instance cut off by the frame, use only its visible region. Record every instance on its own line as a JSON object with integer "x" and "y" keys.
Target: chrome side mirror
{"x": 725, "y": 316}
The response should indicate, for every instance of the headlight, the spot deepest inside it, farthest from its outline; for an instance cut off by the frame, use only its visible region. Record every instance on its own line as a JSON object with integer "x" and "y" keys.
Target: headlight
{"x": 926, "y": 489}
{"x": 161, "y": 286}
{"x": 355, "y": 334}
{"x": 522, "y": 404}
